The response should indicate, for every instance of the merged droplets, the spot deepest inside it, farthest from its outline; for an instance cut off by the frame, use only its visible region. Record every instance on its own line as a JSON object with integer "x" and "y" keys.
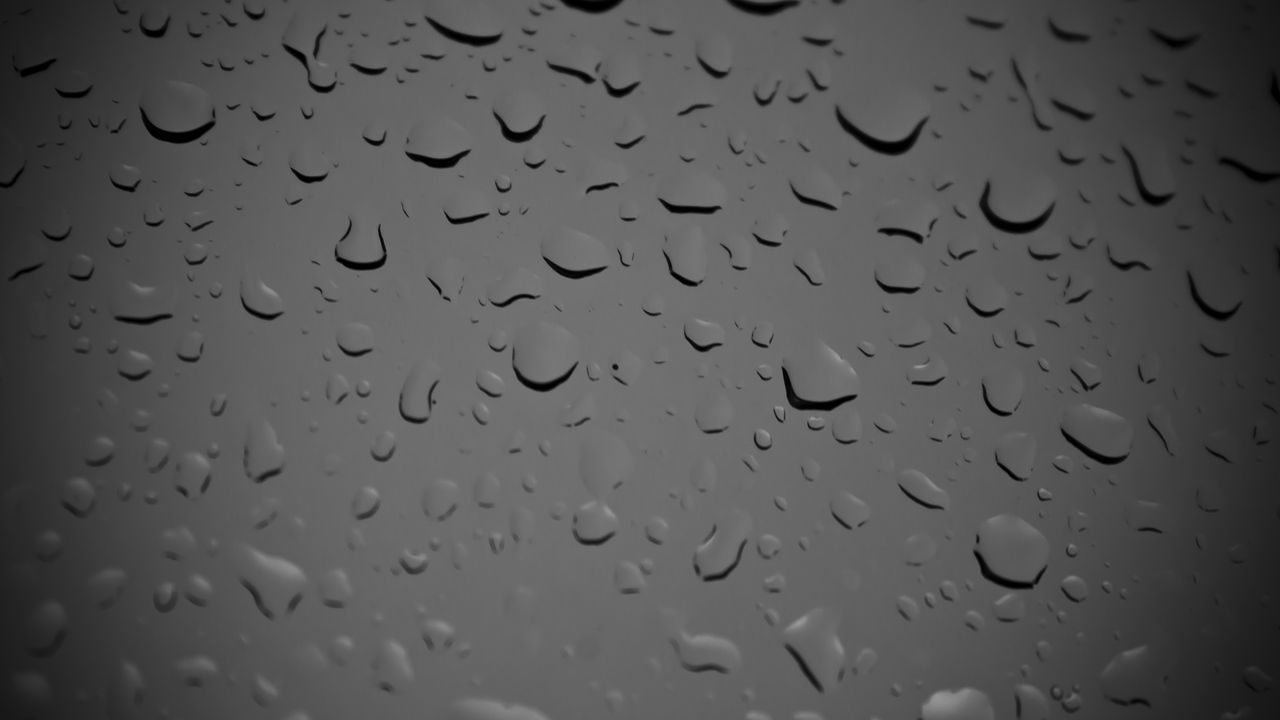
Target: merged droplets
{"x": 275, "y": 583}
{"x": 192, "y": 474}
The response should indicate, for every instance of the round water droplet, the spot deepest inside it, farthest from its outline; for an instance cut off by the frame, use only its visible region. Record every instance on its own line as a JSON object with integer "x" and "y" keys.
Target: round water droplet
{"x": 176, "y": 111}
{"x": 544, "y": 354}
{"x": 1011, "y": 551}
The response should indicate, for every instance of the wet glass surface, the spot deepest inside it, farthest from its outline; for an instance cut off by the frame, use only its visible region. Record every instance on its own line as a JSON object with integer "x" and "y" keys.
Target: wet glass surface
{"x": 547, "y": 359}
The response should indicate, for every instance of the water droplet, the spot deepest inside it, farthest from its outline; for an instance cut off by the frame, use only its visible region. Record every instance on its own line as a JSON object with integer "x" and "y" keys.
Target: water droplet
{"x": 1018, "y": 202}
{"x": 920, "y": 488}
{"x": 264, "y": 456}
{"x": 697, "y": 192}
{"x": 814, "y": 643}
{"x": 275, "y": 583}
{"x": 594, "y": 523}
{"x": 721, "y": 551}
{"x": 473, "y": 22}
{"x": 520, "y": 113}
{"x": 686, "y": 253}
{"x": 885, "y": 119}
{"x": 963, "y": 704}
{"x": 1016, "y": 454}
{"x": 703, "y": 335}
{"x": 574, "y": 254}
{"x": 176, "y": 111}
{"x": 416, "y": 392}
{"x": 544, "y": 355}
{"x": 362, "y": 246}
{"x": 818, "y": 378}
{"x": 1011, "y": 551}
{"x": 1099, "y": 433}
{"x": 438, "y": 142}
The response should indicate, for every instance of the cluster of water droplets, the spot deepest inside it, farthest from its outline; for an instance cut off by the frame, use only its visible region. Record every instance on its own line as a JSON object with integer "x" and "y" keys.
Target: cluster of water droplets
{"x": 566, "y": 358}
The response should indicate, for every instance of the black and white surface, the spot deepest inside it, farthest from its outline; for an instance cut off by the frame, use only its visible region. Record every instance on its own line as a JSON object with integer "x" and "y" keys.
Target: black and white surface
{"x": 541, "y": 360}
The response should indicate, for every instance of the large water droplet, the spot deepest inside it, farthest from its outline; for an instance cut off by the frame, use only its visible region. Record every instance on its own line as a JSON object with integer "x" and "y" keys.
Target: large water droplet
{"x": 544, "y": 354}
{"x": 885, "y": 119}
{"x": 573, "y": 253}
{"x": 963, "y": 704}
{"x": 814, "y": 643}
{"x": 721, "y": 552}
{"x": 818, "y": 378}
{"x": 176, "y": 111}
{"x": 1011, "y": 551}
{"x": 1102, "y": 434}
